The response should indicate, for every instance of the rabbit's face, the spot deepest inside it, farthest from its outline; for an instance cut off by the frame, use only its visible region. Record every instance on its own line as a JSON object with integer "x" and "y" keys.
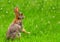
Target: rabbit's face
{"x": 21, "y": 16}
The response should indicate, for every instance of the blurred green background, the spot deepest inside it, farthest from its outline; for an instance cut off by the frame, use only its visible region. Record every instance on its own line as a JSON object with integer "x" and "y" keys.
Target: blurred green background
{"x": 42, "y": 19}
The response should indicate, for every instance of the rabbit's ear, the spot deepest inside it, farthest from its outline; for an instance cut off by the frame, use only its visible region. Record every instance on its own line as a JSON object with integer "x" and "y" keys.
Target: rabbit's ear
{"x": 16, "y": 10}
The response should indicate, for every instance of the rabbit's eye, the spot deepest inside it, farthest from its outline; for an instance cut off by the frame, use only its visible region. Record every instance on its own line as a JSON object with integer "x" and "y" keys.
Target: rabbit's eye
{"x": 18, "y": 18}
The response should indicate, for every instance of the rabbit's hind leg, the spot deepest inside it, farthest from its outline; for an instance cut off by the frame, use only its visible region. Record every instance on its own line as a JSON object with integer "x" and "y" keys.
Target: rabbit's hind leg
{"x": 13, "y": 35}
{"x": 19, "y": 35}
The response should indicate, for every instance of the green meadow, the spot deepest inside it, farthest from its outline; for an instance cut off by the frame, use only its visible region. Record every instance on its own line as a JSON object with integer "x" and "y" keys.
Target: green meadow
{"x": 42, "y": 19}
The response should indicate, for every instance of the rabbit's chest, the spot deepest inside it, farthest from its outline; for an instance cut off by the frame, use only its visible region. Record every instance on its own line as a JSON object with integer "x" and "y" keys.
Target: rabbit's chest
{"x": 15, "y": 27}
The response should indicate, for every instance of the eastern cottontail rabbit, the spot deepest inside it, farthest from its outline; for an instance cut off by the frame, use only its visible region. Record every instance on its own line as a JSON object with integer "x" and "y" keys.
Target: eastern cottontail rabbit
{"x": 16, "y": 28}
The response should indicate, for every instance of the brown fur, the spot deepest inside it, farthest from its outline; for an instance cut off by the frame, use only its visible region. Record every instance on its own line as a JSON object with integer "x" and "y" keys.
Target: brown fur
{"x": 16, "y": 28}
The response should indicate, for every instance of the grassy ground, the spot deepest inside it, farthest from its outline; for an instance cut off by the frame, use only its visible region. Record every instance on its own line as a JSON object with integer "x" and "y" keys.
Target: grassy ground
{"x": 42, "y": 19}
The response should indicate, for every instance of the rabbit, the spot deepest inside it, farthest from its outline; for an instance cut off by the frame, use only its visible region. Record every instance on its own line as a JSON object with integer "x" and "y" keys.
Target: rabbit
{"x": 15, "y": 29}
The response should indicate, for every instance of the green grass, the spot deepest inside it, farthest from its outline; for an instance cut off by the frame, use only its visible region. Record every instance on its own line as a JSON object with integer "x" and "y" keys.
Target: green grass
{"x": 42, "y": 19}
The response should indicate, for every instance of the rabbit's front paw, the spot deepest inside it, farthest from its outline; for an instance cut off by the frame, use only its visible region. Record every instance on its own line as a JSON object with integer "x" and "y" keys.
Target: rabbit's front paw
{"x": 28, "y": 32}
